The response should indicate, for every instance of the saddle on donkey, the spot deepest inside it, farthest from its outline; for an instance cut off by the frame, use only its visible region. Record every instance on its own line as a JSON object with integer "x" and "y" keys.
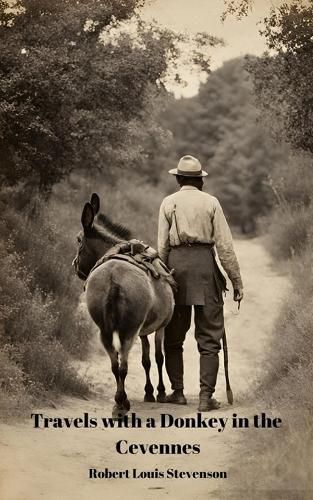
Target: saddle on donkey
{"x": 139, "y": 254}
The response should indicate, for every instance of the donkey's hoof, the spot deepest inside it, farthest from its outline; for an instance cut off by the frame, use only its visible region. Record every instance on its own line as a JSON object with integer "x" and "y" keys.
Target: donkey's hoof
{"x": 149, "y": 398}
{"x": 161, "y": 397}
{"x": 119, "y": 412}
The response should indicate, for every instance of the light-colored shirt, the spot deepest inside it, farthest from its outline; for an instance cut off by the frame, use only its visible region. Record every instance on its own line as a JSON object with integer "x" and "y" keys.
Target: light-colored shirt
{"x": 192, "y": 216}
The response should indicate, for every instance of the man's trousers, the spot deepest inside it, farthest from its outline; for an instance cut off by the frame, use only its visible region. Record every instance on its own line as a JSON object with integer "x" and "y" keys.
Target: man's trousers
{"x": 209, "y": 329}
{"x": 200, "y": 285}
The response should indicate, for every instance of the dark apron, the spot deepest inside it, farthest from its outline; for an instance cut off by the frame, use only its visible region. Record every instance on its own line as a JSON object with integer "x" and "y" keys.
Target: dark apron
{"x": 197, "y": 274}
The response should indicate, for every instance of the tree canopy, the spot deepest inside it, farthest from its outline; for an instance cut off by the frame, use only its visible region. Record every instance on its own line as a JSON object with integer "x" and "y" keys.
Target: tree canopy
{"x": 283, "y": 78}
{"x": 78, "y": 86}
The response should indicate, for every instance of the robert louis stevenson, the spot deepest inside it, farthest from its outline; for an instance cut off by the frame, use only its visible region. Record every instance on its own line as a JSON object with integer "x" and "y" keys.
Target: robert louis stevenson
{"x": 154, "y": 474}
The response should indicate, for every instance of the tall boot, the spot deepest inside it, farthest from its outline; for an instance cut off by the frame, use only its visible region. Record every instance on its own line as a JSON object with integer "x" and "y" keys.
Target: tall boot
{"x": 208, "y": 375}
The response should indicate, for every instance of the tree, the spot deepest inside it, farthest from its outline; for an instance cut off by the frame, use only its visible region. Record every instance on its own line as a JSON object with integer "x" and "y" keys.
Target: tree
{"x": 78, "y": 82}
{"x": 283, "y": 81}
{"x": 47, "y": 99}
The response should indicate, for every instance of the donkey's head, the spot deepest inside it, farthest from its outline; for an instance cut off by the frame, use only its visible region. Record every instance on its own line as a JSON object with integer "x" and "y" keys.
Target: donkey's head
{"x": 96, "y": 237}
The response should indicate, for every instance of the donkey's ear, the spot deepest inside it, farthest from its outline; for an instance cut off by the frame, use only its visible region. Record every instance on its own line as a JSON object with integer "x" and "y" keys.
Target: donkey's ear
{"x": 95, "y": 203}
{"x": 87, "y": 216}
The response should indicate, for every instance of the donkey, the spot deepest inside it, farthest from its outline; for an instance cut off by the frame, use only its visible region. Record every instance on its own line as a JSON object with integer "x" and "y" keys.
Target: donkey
{"x": 123, "y": 300}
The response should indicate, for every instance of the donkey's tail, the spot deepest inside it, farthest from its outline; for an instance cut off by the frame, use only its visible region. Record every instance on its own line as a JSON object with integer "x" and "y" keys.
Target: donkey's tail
{"x": 110, "y": 316}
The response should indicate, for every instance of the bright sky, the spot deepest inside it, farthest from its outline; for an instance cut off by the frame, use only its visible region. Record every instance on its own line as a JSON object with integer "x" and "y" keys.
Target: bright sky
{"x": 240, "y": 37}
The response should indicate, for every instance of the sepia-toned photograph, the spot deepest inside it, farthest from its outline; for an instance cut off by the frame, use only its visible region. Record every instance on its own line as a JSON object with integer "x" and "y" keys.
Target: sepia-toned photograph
{"x": 156, "y": 238}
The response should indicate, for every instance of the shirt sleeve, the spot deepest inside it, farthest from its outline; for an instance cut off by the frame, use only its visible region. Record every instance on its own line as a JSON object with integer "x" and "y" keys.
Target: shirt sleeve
{"x": 163, "y": 234}
{"x": 224, "y": 246}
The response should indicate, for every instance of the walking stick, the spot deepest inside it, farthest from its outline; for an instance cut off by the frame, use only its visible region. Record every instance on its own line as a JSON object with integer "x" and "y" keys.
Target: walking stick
{"x": 229, "y": 392}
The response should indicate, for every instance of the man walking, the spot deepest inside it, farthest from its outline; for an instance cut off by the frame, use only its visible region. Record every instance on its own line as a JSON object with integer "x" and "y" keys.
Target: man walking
{"x": 191, "y": 223}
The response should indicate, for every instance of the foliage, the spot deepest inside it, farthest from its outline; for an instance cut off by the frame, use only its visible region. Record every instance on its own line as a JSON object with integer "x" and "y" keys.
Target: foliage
{"x": 77, "y": 85}
{"x": 47, "y": 58}
{"x": 283, "y": 78}
{"x": 284, "y": 81}
{"x": 239, "y": 8}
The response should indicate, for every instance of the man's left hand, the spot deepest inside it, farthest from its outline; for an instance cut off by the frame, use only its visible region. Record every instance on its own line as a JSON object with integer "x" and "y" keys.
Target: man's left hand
{"x": 238, "y": 294}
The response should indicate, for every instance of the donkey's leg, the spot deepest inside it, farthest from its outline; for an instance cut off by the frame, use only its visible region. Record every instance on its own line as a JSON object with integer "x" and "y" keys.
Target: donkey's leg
{"x": 146, "y": 363}
{"x": 114, "y": 363}
{"x": 122, "y": 402}
{"x": 107, "y": 341}
{"x": 159, "y": 358}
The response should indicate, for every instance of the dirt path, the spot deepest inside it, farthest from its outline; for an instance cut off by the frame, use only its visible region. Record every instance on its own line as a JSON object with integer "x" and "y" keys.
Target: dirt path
{"x": 54, "y": 464}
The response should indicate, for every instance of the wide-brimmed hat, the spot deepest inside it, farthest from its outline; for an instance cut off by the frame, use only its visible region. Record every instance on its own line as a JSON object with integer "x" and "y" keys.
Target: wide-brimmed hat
{"x": 188, "y": 166}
